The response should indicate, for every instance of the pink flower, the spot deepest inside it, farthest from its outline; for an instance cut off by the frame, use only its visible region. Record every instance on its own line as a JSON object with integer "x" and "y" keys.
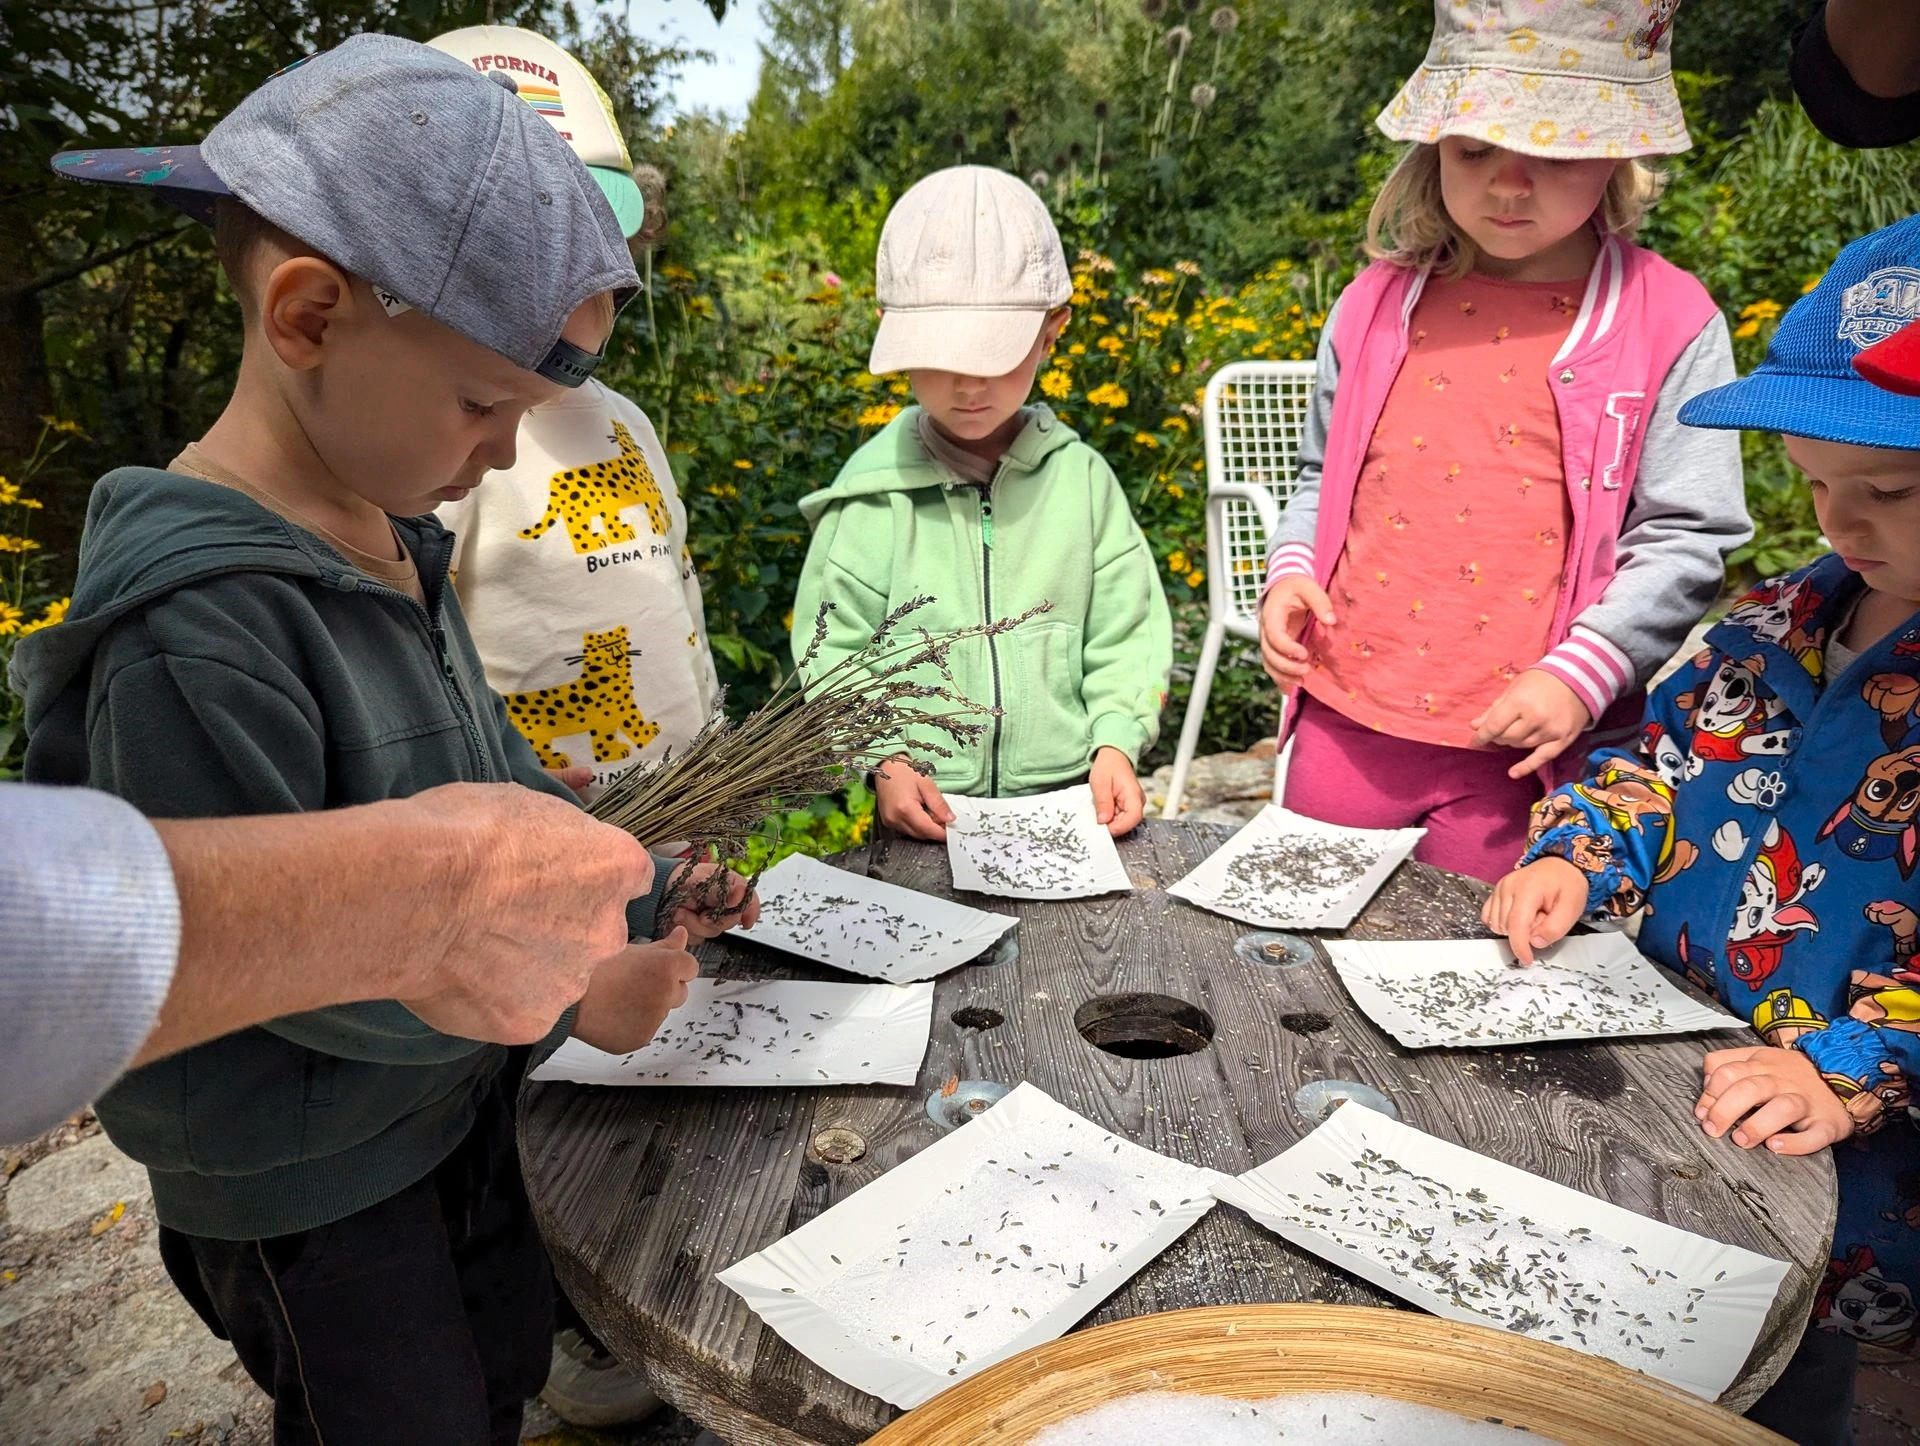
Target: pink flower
{"x": 831, "y": 279}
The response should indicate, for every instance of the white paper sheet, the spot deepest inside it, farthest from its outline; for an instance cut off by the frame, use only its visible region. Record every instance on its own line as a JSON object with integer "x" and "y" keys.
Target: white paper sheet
{"x": 1283, "y": 871}
{"x": 1471, "y": 991}
{"x": 1476, "y": 1240}
{"x": 769, "y": 1032}
{"x": 993, "y": 1239}
{"x": 866, "y": 926}
{"x": 1046, "y": 846}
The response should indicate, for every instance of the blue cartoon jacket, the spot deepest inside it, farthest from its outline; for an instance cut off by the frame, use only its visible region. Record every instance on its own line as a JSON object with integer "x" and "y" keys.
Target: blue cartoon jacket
{"x": 1768, "y": 826}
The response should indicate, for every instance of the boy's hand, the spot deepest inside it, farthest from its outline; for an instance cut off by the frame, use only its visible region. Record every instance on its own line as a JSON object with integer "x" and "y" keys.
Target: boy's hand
{"x": 1537, "y": 711}
{"x": 711, "y": 906}
{"x": 1536, "y": 906}
{"x": 1284, "y": 612}
{"x": 577, "y": 776}
{"x": 1119, "y": 801}
{"x": 1773, "y": 1097}
{"x": 633, "y": 992}
{"x": 909, "y": 803}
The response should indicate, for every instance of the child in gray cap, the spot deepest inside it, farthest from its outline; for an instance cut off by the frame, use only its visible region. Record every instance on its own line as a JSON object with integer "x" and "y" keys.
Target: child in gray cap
{"x": 266, "y": 627}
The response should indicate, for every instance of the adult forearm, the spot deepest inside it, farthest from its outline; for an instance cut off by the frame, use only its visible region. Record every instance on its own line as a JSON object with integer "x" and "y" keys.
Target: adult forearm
{"x": 293, "y": 912}
{"x": 483, "y": 908}
{"x": 1878, "y": 41}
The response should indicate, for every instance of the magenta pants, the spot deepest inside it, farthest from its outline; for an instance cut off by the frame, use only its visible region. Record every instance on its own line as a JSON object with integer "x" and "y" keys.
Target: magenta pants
{"x": 1475, "y": 816}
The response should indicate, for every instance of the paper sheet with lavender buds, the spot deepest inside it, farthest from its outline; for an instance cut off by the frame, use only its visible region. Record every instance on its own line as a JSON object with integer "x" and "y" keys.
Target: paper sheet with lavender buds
{"x": 1476, "y": 1240}
{"x": 1283, "y": 871}
{"x": 997, "y": 1237}
{"x": 867, "y": 926}
{"x": 1044, "y": 846}
{"x": 1432, "y": 992}
{"x": 769, "y": 1032}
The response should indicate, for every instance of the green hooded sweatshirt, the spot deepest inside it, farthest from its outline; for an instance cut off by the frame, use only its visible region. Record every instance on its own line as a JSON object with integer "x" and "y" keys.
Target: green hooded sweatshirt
{"x": 219, "y": 660}
{"x": 1052, "y": 526}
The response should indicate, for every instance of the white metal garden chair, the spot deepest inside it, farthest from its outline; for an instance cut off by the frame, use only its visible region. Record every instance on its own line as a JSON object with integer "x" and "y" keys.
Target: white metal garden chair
{"x": 1252, "y": 418}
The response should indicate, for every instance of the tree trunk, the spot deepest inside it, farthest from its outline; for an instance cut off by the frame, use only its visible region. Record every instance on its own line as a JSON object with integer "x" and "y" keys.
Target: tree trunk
{"x": 26, "y": 394}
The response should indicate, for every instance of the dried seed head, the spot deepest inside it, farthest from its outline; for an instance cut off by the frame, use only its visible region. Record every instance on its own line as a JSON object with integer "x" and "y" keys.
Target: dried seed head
{"x": 1203, "y": 95}
{"x": 1039, "y": 180}
{"x": 1010, "y": 119}
{"x": 1076, "y": 151}
{"x": 1153, "y": 9}
{"x": 1224, "y": 21}
{"x": 1100, "y": 110}
{"x": 1177, "y": 40}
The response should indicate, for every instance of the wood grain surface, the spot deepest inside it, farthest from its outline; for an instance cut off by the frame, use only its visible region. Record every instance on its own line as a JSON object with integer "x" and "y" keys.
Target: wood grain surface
{"x": 644, "y": 1194}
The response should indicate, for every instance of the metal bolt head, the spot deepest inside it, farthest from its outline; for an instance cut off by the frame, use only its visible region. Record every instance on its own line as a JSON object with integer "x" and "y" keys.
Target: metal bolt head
{"x": 838, "y": 1145}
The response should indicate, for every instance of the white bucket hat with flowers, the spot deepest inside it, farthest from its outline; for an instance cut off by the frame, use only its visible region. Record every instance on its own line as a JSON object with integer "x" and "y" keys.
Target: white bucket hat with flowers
{"x": 1567, "y": 79}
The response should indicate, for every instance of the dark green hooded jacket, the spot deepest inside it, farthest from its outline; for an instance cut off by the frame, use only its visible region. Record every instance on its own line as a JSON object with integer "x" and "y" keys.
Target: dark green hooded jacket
{"x": 219, "y": 660}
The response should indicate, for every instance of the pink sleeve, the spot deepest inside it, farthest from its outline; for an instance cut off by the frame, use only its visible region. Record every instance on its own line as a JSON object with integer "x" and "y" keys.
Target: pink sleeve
{"x": 1290, "y": 559}
{"x": 1597, "y": 671}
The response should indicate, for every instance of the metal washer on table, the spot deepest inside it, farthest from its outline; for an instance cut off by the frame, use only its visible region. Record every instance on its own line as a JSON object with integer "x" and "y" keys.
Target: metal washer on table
{"x": 1319, "y": 1098}
{"x": 969, "y": 1100}
{"x": 1275, "y": 951}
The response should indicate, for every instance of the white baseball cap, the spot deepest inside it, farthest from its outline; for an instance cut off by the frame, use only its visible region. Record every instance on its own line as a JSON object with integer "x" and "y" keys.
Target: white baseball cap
{"x": 969, "y": 266}
{"x": 559, "y": 88}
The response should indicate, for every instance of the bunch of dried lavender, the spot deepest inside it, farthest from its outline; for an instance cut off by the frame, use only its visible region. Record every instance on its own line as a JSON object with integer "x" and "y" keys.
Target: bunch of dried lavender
{"x": 809, "y": 734}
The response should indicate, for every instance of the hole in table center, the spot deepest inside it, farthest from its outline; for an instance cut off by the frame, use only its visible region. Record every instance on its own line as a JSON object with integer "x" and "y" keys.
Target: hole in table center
{"x": 1144, "y": 1026}
{"x": 978, "y": 1016}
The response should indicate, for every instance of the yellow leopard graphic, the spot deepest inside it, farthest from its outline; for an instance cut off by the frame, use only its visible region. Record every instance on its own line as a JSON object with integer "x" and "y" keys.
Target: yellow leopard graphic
{"x": 599, "y": 703}
{"x": 599, "y": 492}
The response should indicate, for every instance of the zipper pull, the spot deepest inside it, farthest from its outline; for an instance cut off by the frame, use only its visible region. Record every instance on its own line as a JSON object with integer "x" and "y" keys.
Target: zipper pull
{"x": 986, "y": 523}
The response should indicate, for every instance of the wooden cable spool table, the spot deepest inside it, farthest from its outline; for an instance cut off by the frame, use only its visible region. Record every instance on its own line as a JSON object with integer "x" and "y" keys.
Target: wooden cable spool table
{"x": 645, "y": 1194}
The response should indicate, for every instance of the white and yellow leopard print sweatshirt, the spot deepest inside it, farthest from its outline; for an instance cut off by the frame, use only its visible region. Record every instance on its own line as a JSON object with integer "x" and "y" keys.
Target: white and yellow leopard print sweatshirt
{"x": 573, "y": 571}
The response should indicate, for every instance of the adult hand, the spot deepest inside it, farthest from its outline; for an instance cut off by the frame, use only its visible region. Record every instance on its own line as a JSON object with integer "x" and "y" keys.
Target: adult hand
{"x": 909, "y": 803}
{"x": 1773, "y": 1097}
{"x": 1290, "y": 603}
{"x": 1534, "y": 907}
{"x": 633, "y": 993}
{"x": 710, "y": 899}
{"x": 1119, "y": 801}
{"x": 1538, "y": 712}
{"x": 531, "y": 897}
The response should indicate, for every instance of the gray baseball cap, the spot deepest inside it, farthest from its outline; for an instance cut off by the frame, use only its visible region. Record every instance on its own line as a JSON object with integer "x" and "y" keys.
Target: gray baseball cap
{"x": 439, "y": 188}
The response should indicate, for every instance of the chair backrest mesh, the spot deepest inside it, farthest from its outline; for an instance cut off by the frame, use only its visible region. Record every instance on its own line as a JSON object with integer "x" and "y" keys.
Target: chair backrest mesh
{"x": 1254, "y": 415}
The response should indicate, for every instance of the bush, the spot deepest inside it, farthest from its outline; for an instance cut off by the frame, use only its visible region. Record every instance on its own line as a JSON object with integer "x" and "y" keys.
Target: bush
{"x": 27, "y": 599}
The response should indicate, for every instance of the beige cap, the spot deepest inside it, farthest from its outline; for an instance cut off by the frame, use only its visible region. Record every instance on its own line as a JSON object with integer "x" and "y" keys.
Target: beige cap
{"x": 969, "y": 266}
{"x": 558, "y": 87}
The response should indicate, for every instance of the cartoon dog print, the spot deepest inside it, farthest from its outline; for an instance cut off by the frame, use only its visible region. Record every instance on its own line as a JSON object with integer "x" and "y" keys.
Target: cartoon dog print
{"x": 1856, "y": 1300}
{"x": 1779, "y": 613}
{"x": 1730, "y": 719}
{"x": 1771, "y": 910}
{"x": 1783, "y": 1016}
{"x": 1879, "y": 820}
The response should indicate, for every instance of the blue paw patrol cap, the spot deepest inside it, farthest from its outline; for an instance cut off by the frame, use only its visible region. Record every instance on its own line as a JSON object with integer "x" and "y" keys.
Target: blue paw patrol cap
{"x": 1807, "y": 386}
{"x": 438, "y": 187}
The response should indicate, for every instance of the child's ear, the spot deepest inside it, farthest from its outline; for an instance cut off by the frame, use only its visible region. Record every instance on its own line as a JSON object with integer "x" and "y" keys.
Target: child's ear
{"x": 1057, "y": 323}
{"x": 300, "y": 299}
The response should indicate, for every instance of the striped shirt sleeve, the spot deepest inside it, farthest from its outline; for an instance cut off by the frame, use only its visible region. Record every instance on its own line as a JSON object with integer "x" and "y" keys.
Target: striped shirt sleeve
{"x": 89, "y": 936}
{"x": 1597, "y": 671}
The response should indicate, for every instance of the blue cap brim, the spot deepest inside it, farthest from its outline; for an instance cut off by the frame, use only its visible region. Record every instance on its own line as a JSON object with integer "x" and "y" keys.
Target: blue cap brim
{"x": 178, "y": 175}
{"x": 1826, "y": 408}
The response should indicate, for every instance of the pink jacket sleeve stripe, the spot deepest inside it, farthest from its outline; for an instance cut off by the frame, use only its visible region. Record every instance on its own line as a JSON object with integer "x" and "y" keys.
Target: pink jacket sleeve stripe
{"x": 1593, "y": 667}
{"x": 1290, "y": 559}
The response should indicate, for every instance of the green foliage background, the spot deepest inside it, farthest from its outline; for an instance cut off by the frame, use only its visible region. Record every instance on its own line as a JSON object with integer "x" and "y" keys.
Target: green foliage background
{"x": 1210, "y": 164}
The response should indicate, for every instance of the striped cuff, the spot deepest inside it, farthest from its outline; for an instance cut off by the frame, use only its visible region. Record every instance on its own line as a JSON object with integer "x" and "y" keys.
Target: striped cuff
{"x": 1597, "y": 671}
{"x": 1289, "y": 559}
